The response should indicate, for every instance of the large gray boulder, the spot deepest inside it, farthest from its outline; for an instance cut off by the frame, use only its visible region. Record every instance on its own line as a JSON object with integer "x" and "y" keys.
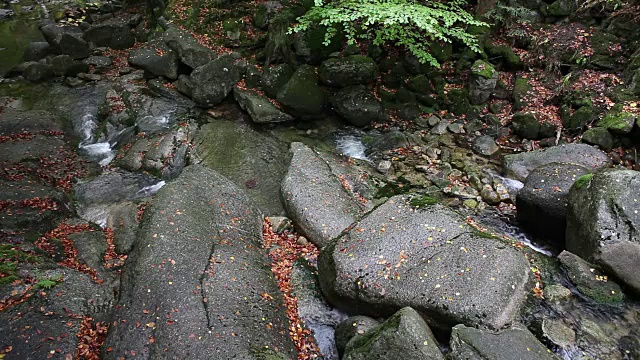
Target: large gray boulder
{"x": 428, "y": 259}
{"x": 253, "y": 160}
{"x": 211, "y": 83}
{"x": 159, "y": 61}
{"x": 195, "y": 283}
{"x": 190, "y": 51}
{"x": 302, "y": 95}
{"x": 518, "y": 166}
{"x": 315, "y": 199}
{"x": 347, "y": 71}
{"x": 404, "y": 335}
{"x": 36, "y": 50}
{"x": 66, "y": 40}
{"x": 275, "y": 77}
{"x": 603, "y": 218}
{"x": 37, "y": 71}
{"x": 357, "y": 105}
{"x": 542, "y": 201}
{"x": 114, "y": 33}
{"x": 259, "y": 108}
{"x": 513, "y": 343}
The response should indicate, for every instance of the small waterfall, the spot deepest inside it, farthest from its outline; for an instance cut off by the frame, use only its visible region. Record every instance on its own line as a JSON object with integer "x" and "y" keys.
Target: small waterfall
{"x": 100, "y": 152}
{"x": 351, "y": 145}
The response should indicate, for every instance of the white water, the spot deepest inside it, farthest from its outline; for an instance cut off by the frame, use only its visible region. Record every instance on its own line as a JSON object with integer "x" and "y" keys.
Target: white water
{"x": 151, "y": 189}
{"x": 101, "y": 152}
{"x": 351, "y": 145}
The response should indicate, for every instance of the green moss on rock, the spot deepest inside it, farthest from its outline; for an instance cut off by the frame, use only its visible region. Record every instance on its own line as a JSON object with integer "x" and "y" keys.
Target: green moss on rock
{"x": 509, "y": 59}
{"x": 618, "y": 122}
{"x": 598, "y": 136}
{"x": 582, "y": 181}
{"x": 483, "y": 69}
{"x": 520, "y": 90}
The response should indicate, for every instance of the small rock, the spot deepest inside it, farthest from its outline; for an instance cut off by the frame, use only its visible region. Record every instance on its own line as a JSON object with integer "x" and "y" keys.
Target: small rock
{"x": 598, "y": 136}
{"x": 556, "y": 293}
{"x": 558, "y": 333}
{"x": 489, "y": 195}
{"x": 470, "y": 203}
{"x": 302, "y": 241}
{"x": 455, "y": 128}
{"x": 384, "y": 166}
{"x": 90, "y": 77}
{"x": 433, "y": 120}
{"x": 73, "y": 81}
{"x": 351, "y": 328}
{"x": 485, "y": 145}
{"x": 440, "y": 128}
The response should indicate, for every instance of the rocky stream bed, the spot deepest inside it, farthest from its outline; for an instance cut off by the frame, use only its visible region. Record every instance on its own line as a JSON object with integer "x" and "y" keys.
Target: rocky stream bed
{"x": 162, "y": 200}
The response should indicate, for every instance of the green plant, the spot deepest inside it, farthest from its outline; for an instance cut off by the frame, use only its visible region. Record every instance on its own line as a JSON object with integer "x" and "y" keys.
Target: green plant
{"x": 412, "y": 24}
{"x": 49, "y": 283}
{"x": 511, "y": 18}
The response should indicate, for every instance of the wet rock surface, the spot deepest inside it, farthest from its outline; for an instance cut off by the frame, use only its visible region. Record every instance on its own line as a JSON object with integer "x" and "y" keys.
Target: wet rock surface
{"x": 309, "y": 182}
{"x": 193, "y": 275}
{"x": 397, "y": 256}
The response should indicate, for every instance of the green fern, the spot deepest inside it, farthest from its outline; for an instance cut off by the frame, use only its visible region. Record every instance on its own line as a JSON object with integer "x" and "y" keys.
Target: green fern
{"x": 411, "y": 24}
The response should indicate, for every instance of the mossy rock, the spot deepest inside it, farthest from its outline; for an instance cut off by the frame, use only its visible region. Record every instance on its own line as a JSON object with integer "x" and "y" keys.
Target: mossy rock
{"x": 559, "y": 8}
{"x": 509, "y": 59}
{"x": 483, "y": 69}
{"x": 520, "y": 91}
{"x": 589, "y": 280}
{"x": 582, "y": 181}
{"x": 459, "y": 101}
{"x": 275, "y": 78}
{"x": 310, "y": 44}
{"x": 419, "y": 84}
{"x": 579, "y": 119}
{"x": 347, "y": 71}
{"x": 635, "y": 83}
{"x": 618, "y": 122}
{"x": 442, "y": 52}
{"x": 302, "y": 95}
{"x": 598, "y": 136}
{"x": 526, "y": 126}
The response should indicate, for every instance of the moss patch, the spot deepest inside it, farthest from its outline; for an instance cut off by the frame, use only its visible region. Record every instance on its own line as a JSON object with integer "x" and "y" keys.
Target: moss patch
{"x": 483, "y": 69}
{"x": 423, "y": 201}
{"x": 582, "y": 181}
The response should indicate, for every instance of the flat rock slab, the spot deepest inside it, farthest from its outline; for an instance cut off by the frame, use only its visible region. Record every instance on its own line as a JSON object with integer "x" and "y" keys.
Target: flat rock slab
{"x": 518, "y": 166}
{"x": 16, "y": 121}
{"x": 427, "y": 259}
{"x": 32, "y": 148}
{"x": 198, "y": 284}
{"x": 315, "y": 199}
{"x": 513, "y": 343}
